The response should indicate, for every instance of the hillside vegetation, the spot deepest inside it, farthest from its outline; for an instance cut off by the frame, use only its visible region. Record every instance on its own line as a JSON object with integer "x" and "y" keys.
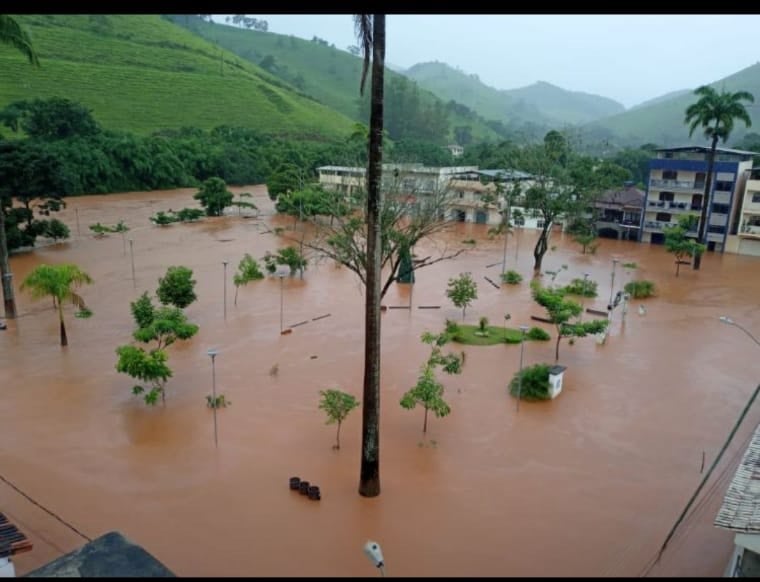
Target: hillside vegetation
{"x": 541, "y": 103}
{"x": 142, "y": 73}
{"x": 329, "y": 74}
{"x": 661, "y": 121}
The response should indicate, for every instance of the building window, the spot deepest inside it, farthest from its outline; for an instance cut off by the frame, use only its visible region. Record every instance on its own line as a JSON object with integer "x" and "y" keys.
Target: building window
{"x": 756, "y": 197}
{"x": 461, "y": 194}
{"x": 716, "y": 229}
{"x": 669, "y": 175}
{"x": 720, "y": 208}
{"x": 724, "y": 186}
{"x": 666, "y": 196}
{"x": 540, "y": 223}
{"x": 663, "y": 217}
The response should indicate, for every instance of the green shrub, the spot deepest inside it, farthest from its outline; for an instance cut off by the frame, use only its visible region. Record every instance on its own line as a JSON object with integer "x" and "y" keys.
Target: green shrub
{"x": 640, "y": 289}
{"x": 582, "y": 287}
{"x": 630, "y": 265}
{"x": 483, "y": 324}
{"x": 536, "y": 333}
{"x": 535, "y": 383}
{"x": 469, "y": 241}
{"x": 511, "y": 277}
{"x": 452, "y": 327}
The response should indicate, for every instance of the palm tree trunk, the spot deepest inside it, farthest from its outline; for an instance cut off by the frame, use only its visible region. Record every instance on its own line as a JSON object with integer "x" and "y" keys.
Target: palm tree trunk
{"x": 556, "y": 349}
{"x": 64, "y": 339}
{"x": 337, "y": 445}
{"x": 706, "y": 201}
{"x": 5, "y": 271}
{"x": 369, "y": 481}
{"x": 236, "y": 291}
{"x": 540, "y": 250}
{"x": 424, "y": 424}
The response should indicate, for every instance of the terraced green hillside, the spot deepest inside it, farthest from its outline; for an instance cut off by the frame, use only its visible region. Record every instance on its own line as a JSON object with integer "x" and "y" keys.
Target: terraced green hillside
{"x": 329, "y": 74}
{"x": 144, "y": 73}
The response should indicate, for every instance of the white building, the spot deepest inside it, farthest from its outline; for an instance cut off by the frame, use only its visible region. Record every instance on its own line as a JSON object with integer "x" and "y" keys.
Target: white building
{"x": 747, "y": 238}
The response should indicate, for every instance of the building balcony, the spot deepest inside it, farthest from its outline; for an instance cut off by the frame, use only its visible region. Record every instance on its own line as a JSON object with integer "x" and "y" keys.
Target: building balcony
{"x": 750, "y": 231}
{"x": 672, "y": 206}
{"x": 673, "y": 185}
{"x": 659, "y": 226}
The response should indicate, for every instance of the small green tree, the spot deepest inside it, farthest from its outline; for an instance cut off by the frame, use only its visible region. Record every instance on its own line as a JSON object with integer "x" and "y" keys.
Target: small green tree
{"x": 337, "y": 406}
{"x": 149, "y": 367}
{"x": 511, "y": 277}
{"x": 162, "y": 218}
{"x": 462, "y": 291}
{"x": 291, "y": 257}
{"x": 561, "y": 311}
{"x": 428, "y": 391}
{"x": 189, "y": 214}
{"x": 582, "y": 287}
{"x": 676, "y": 241}
{"x": 57, "y": 281}
{"x": 248, "y": 270}
{"x": 142, "y": 310}
{"x": 167, "y": 325}
{"x": 177, "y": 287}
{"x": 214, "y": 196}
{"x": 483, "y": 325}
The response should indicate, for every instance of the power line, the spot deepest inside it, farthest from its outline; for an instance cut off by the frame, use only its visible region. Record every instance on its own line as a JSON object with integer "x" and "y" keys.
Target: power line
{"x": 45, "y": 509}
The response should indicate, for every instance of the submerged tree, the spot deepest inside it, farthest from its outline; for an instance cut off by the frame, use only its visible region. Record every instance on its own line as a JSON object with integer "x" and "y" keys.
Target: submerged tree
{"x": 678, "y": 243}
{"x": 462, "y": 291}
{"x": 177, "y": 287}
{"x": 337, "y": 405}
{"x": 147, "y": 366}
{"x": 561, "y": 311}
{"x": 248, "y": 270}
{"x": 58, "y": 282}
{"x": 428, "y": 392}
{"x": 214, "y": 196}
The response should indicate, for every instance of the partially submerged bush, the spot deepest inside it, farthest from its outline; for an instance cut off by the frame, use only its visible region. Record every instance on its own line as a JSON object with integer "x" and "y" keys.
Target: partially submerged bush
{"x": 511, "y": 277}
{"x": 536, "y": 333}
{"x": 535, "y": 383}
{"x": 582, "y": 287}
{"x": 640, "y": 289}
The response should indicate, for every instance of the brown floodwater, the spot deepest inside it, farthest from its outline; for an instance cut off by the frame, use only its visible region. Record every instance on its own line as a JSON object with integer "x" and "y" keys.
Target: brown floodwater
{"x": 585, "y": 485}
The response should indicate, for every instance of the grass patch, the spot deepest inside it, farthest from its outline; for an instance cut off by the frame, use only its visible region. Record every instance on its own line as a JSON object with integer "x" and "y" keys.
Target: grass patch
{"x": 640, "y": 289}
{"x": 471, "y": 335}
{"x": 511, "y": 277}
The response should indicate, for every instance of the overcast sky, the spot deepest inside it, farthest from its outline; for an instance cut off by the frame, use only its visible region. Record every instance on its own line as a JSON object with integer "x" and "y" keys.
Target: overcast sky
{"x": 627, "y": 58}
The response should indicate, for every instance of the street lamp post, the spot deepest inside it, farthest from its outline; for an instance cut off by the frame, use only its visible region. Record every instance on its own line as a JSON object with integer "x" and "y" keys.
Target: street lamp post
{"x": 729, "y": 321}
{"x": 583, "y": 298}
{"x": 225, "y": 289}
{"x": 212, "y": 352}
{"x": 282, "y": 279}
{"x": 523, "y": 329}
{"x": 612, "y": 280}
{"x": 132, "y": 255}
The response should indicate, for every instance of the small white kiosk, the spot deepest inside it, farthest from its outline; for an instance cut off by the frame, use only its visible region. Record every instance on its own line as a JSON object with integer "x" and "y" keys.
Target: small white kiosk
{"x": 555, "y": 380}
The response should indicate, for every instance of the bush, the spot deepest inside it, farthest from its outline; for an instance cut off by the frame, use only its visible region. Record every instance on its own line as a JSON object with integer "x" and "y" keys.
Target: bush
{"x": 483, "y": 324}
{"x": 452, "y": 327}
{"x": 582, "y": 287}
{"x": 640, "y": 289}
{"x": 535, "y": 383}
{"x": 536, "y": 333}
{"x": 511, "y": 277}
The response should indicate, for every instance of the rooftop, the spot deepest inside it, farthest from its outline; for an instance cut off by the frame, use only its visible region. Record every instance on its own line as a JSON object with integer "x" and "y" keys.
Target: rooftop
{"x": 740, "y": 510}
{"x": 109, "y": 556}
{"x": 625, "y": 196}
{"x": 705, "y": 149}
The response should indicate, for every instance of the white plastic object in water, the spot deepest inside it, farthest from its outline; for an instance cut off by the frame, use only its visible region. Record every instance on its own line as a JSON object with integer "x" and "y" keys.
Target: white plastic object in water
{"x": 7, "y": 570}
{"x": 374, "y": 553}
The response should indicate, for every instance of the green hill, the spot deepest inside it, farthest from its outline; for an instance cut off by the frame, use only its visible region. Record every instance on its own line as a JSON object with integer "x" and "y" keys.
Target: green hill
{"x": 661, "y": 122}
{"x": 142, "y": 73}
{"x": 329, "y": 74}
{"x": 540, "y": 103}
{"x": 563, "y": 105}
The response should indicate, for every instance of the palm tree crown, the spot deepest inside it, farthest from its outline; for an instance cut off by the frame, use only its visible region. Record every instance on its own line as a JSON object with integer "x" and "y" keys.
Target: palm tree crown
{"x": 12, "y": 34}
{"x": 716, "y": 112}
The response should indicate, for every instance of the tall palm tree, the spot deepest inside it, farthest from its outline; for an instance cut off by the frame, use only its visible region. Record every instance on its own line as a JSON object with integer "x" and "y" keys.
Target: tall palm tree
{"x": 11, "y": 34}
{"x": 715, "y": 113}
{"x": 370, "y": 30}
{"x": 57, "y": 281}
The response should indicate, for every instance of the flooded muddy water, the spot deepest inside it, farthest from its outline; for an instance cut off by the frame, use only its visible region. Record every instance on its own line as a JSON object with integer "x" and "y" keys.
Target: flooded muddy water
{"x": 588, "y": 484}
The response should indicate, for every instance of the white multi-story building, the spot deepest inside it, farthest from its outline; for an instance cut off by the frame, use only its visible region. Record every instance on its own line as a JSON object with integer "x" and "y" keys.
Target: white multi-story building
{"x": 746, "y": 241}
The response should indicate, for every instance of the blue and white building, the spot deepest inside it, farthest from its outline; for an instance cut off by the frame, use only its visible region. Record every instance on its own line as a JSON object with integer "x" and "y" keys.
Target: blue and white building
{"x": 677, "y": 185}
